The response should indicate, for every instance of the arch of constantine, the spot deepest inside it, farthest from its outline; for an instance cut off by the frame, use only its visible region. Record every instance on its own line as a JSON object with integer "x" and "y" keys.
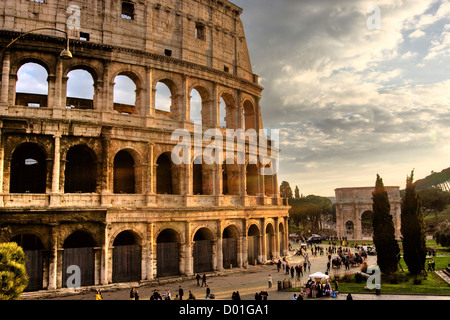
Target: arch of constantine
{"x": 354, "y": 211}
{"x": 89, "y": 181}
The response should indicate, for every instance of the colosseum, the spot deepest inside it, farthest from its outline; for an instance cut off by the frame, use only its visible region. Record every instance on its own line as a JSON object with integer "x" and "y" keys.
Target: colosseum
{"x": 89, "y": 180}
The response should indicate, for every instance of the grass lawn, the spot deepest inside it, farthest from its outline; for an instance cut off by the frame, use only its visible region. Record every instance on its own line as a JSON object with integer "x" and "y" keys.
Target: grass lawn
{"x": 432, "y": 285}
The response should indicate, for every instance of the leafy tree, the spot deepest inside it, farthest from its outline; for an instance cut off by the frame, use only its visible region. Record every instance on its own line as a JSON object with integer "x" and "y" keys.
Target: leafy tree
{"x": 384, "y": 230}
{"x": 434, "y": 200}
{"x": 285, "y": 190}
{"x": 413, "y": 229}
{"x": 297, "y": 192}
{"x": 310, "y": 210}
{"x": 442, "y": 234}
{"x": 13, "y": 273}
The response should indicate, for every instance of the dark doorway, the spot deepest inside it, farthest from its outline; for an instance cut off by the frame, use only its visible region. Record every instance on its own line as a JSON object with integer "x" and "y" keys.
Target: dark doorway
{"x": 127, "y": 257}
{"x": 164, "y": 175}
{"x": 202, "y": 250}
{"x": 81, "y": 170}
{"x": 229, "y": 247}
{"x": 124, "y": 178}
{"x": 79, "y": 251}
{"x": 28, "y": 170}
{"x": 168, "y": 253}
{"x": 253, "y": 244}
{"x": 34, "y": 252}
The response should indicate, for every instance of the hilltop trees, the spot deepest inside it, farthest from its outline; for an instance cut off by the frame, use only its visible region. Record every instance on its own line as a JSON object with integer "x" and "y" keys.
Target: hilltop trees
{"x": 285, "y": 190}
{"x": 413, "y": 229}
{"x": 384, "y": 230}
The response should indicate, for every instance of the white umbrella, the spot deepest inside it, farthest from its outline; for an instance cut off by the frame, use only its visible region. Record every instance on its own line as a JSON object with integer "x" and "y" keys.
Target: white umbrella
{"x": 318, "y": 275}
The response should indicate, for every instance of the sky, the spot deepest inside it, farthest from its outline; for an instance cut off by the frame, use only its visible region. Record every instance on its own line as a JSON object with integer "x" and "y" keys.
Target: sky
{"x": 353, "y": 95}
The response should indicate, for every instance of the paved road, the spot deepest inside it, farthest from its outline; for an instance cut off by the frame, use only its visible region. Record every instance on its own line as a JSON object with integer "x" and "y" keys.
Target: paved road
{"x": 247, "y": 282}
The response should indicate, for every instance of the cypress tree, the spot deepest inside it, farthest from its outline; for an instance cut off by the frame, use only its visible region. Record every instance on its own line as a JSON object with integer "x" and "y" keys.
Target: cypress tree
{"x": 413, "y": 229}
{"x": 384, "y": 230}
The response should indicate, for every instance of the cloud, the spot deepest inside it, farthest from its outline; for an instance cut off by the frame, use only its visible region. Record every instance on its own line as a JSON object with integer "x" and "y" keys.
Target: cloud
{"x": 348, "y": 98}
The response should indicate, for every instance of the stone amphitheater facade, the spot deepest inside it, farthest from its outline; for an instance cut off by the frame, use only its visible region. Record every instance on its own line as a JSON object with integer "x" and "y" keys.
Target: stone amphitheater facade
{"x": 90, "y": 182}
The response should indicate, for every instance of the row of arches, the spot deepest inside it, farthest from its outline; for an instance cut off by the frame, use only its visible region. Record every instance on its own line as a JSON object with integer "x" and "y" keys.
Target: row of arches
{"x": 127, "y": 253}
{"x": 82, "y": 86}
{"x": 29, "y": 167}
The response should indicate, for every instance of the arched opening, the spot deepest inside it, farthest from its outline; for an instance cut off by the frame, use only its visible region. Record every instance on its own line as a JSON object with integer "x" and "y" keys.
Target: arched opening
{"x": 127, "y": 257}
{"x": 196, "y": 107}
{"x": 124, "y": 95}
{"x": 163, "y": 97}
{"x": 124, "y": 176}
{"x": 253, "y": 236}
{"x": 79, "y": 251}
{"x": 228, "y": 112}
{"x": 197, "y": 177}
{"x": 270, "y": 237}
{"x": 32, "y": 85}
{"x": 366, "y": 223}
{"x": 281, "y": 238}
{"x": 249, "y": 115}
{"x": 33, "y": 249}
{"x": 28, "y": 169}
{"x": 81, "y": 170}
{"x": 268, "y": 182}
{"x": 168, "y": 253}
{"x": 225, "y": 190}
{"x": 222, "y": 113}
{"x": 230, "y": 247}
{"x": 80, "y": 90}
{"x": 203, "y": 250}
{"x": 349, "y": 228}
{"x": 252, "y": 179}
{"x": 164, "y": 184}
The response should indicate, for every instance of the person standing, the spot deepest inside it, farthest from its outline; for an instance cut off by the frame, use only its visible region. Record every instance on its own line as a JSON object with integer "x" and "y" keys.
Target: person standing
{"x": 132, "y": 294}
{"x": 180, "y": 292}
{"x": 269, "y": 280}
{"x": 99, "y": 296}
{"x": 197, "y": 277}
{"x": 208, "y": 292}
{"x": 204, "y": 280}
{"x": 136, "y": 295}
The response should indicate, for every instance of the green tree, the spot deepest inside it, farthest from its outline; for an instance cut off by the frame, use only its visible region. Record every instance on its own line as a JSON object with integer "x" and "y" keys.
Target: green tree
{"x": 384, "y": 230}
{"x": 297, "y": 192}
{"x": 285, "y": 190}
{"x": 442, "y": 234}
{"x": 434, "y": 200}
{"x": 310, "y": 210}
{"x": 413, "y": 229}
{"x": 13, "y": 273}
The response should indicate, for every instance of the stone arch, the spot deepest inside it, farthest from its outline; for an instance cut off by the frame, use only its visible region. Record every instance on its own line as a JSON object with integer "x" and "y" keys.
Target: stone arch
{"x": 366, "y": 223}
{"x": 80, "y": 170}
{"x": 252, "y": 179}
{"x": 124, "y": 172}
{"x": 203, "y": 249}
{"x": 253, "y": 243}
{"x": 168, "y": 252}
{"x": 127, "y": 254}
{"x": 164, "y": 174}
{"x": 249, "y": 115}
{"x": 28, "y": 169}
{"x": 205, "y": 113}
{"x": 123, "y": 83}
{"x": 270, "y": 240}
{"x": 78, "y": 78}
{"x": 33, "y": 248}
{"x": 230, "y": 237}
{"x": 165, "y": 96}
{"x": 37, "y": 94}
{"x": 231, "y": 111}
{"x": 79, "y": 251}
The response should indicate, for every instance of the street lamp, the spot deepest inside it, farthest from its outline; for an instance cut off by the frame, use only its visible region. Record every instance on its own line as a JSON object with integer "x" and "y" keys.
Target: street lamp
{"x": 65, "y": 54}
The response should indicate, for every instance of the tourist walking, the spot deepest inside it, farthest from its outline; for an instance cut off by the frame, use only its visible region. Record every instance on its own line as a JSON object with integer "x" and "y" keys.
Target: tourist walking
{"x": 208, "y": 292}
{"x": 198, "y": 277}
{"x": 204, "y": 280}
{"x": 269, "y": 280}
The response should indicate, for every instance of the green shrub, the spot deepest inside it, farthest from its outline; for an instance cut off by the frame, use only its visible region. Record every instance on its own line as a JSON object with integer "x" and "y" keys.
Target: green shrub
{"x": 13, "y": 273}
